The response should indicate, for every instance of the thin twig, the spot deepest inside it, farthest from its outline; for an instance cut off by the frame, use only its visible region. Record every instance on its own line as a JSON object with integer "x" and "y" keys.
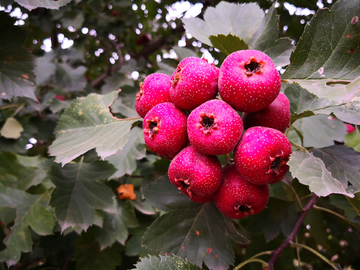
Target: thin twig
{"x": 297, "y": 197}
{"x": 291, "y": 236}
{"x": 316, "y": 253}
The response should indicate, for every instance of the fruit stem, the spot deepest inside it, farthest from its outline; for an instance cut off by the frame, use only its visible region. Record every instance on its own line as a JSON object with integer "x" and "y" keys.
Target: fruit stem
{"x": 298, "y": 146}
{"x": 315, "y": 252}
{"x": 229, "y": 160}
{"x": 334, "y": 213}
{"x": 253, "y": 259}
{"x": 264, "y": 264}
{"x": 291, "y": 236}
{"x": 297, "y": 197}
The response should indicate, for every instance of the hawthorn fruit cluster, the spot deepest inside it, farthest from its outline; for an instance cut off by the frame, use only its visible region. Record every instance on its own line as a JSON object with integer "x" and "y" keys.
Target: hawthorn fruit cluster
{"x": 193, "y": 117}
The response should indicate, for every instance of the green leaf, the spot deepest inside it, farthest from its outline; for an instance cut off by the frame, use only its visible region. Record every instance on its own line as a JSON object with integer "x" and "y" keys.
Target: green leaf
{"x": 125, "y": 159}
{"x": 320, "y": 130}
{"x": 14, "y": 174}
{"x": 305, "y": 104}
{"x": 88, "y": 254}
{"x": 78, "y": 192}
{"x": 31, "y": 210}
{"x": 311, "y": 171}
{"x": 326, "y": 59}
{"x": 343, "y": 163}
{"x": 163, "y": 195}
{"x": 353, "y": 140}
{"x": 182, "y": 53}
{"x": 45, "y": 68}
{"x": 51, "y": 4}
{"x": 115, "y": 226}
{"x": 278, "y": 215}
{"x": 228, "y": 44}
{"x": 164, "y": 263}
{"x": 125, "y": 103}
{"x": 16, "y": 63}
{"x": 247, "y": 25}
{"x": 355, "y": 203}
{"x": 166, "y": 69}
{"x": 342, "y": 203}
{"x": 197, "y": 232}
{"x": 88, "y": 124}
{"x": 115, "y": 82}
{"x": 70, "y": 78}
{"x": 324, "y": 49}
{"x": 12, "y": 129}
{"x": 7, "y": 214}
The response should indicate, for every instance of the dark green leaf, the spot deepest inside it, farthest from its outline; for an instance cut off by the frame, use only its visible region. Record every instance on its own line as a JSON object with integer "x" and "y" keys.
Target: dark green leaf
{"x": 199, "y": 234}
{"x": 228, "y": 44}
{"x": 324, "y": 49}
{"x": 342, "y": 203}
{"x": 31, "y": 210}
{"x": 115, "y": 226}
{"x": 163, "y": 195}
{"x": 343, "y": 163}
{"x": 88, "y": 254}
{"x": 355, "y": 203}
{"x": 125, "y": 159}
{"x": 14, "y": 174}
{"x": 16, "y": 63}
{"x": 78, "y": 193}
{"x": 278, "y": 215}
{"x": 88, "y": 124}
{"x": 51, "y": 4}
{"x": 311, "y": 171}
{"x": 164, "y": 263}
{"x": 326, "y": 59}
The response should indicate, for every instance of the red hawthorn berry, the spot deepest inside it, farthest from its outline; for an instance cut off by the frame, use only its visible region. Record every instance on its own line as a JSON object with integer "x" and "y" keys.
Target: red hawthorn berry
{"x": 276, "y": 115}
{"x": 196, "y": 175}
{"x": 248, "y": 80}
{"x": 262, "y": 154}
{"x": 238, "y": 198}
{"x": 164, "y": 129}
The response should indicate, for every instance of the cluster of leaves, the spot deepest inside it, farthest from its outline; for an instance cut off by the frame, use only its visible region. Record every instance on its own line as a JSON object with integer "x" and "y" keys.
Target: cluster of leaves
{"x": 70, "y": 137}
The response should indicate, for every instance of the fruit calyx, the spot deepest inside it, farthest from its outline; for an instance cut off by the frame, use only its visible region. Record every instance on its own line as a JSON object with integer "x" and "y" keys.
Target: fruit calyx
{"x": 276, "y": 163}
{"x": 176, "y": 78}
{"x": 253, "y": 67}
{"x": 140, "y": 93}
{"x": 184, "y": 186}
{"x": 152, "y": 127}
{"x": 207, "y": 122}
{"x": 245, "y": 209}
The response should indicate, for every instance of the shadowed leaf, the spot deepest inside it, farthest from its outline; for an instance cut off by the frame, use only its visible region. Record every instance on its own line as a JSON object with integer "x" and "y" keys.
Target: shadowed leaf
{"x": 31, "y": 210}
{"x": 78, "y": 192}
